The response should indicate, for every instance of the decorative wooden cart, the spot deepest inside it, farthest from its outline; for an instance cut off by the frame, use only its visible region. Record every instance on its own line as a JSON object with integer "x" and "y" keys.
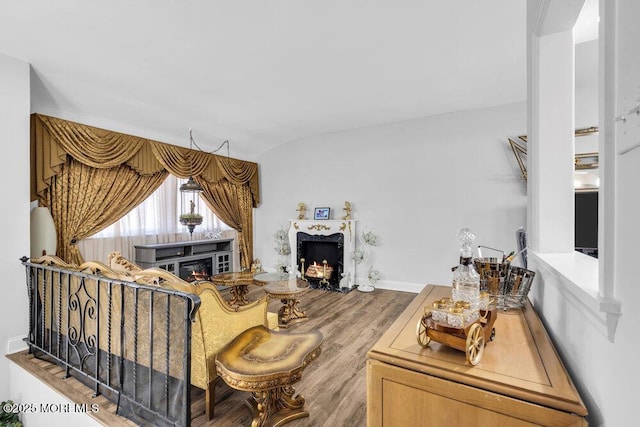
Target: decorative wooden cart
{"x": 470, "y": 338}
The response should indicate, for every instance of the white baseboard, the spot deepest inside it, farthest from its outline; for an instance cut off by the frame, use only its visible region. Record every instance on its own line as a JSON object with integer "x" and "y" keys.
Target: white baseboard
{"x": 16, "y": 344}
{"x": 390, "y": 285}
{"x": 397, "y": 286}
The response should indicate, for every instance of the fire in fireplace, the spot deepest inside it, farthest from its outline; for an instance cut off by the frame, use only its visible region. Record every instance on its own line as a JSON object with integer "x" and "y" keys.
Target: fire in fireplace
{"x": 318, "y": 271}
{"x": 201, "y": 269}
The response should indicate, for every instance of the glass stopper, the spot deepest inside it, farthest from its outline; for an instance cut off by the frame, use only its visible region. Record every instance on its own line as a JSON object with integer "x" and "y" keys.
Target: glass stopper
{"x": 466, "y": 237}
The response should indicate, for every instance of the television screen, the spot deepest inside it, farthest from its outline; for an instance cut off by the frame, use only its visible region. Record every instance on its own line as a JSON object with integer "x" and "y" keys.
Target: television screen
{"x": 586, "y": 220}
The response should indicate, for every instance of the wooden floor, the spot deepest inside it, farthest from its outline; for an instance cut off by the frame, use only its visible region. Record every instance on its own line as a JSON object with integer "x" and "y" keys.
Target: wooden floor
{"x": 334, "y": 385}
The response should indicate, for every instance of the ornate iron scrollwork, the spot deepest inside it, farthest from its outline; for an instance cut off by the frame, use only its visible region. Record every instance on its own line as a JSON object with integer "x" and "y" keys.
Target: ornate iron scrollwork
{"x": 82, "y": 316}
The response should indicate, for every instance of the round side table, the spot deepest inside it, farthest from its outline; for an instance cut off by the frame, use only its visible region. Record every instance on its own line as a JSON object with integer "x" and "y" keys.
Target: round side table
{"x": 287, "y": 288}
{"x": 239, "y": 282}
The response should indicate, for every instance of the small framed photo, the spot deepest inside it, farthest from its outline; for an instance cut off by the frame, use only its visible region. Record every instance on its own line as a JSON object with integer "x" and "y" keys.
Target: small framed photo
{"x": 321, "y": 213}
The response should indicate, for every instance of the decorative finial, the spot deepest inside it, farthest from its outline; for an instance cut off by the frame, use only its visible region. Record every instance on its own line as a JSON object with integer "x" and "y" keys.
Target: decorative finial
{"x": 302, "y": 208}
{"x": 347, "y": 209}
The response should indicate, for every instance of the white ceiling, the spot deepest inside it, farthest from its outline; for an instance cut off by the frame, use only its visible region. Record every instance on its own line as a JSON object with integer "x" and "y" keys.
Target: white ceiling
{"x": 261, "y": 73}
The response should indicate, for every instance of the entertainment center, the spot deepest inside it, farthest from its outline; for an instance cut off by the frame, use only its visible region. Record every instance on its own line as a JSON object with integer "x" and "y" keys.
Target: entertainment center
{"x": 193, "y": 260}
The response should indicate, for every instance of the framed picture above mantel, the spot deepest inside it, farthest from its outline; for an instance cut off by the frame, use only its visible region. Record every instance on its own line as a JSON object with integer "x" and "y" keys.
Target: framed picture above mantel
{"x": 321, "y": 213}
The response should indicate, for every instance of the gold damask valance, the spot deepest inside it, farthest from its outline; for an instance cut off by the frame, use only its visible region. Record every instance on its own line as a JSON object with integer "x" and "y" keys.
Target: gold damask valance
{"x": 53, "y": 139}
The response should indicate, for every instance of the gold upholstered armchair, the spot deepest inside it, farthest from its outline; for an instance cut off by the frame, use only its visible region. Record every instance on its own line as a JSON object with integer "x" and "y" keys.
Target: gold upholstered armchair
{"x": 216, "y": 322}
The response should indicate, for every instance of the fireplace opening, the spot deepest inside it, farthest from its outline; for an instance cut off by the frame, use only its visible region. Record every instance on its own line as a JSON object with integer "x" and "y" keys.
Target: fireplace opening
{"x": 201, "y": 269}
{"x": 315, "y": 249}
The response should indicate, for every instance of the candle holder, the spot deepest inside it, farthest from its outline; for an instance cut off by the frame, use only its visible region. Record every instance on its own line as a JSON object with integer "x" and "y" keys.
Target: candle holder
{"x": 324, "y": 280}
{"x": 302, "y": 260}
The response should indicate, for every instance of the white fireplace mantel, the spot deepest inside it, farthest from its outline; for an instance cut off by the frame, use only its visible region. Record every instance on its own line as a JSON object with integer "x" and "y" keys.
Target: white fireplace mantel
{"x": 326, "y": 228}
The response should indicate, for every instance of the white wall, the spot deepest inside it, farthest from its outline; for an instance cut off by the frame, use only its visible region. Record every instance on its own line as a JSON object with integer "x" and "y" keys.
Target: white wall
{"x": 414, "y": 183}
{"x": 586, "y": 105}
{"x": 14, "y": 227}
{"x": 45, "y": 405}
{"x": 604, "y": 372}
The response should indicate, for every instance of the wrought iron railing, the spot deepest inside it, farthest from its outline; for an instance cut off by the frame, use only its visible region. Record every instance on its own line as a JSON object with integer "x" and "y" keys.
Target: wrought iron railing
{"x": 127, "y": 341}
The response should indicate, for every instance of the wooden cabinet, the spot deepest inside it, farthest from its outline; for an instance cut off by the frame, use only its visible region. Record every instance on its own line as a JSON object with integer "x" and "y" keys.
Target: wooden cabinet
{"x": 520, "y": 380}
{"x": 198, "y": 259}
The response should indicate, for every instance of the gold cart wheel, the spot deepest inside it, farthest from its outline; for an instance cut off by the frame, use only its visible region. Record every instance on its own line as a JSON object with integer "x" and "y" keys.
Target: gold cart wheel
{"x": 421, "y": 333}
{"x": 475, "y": 344}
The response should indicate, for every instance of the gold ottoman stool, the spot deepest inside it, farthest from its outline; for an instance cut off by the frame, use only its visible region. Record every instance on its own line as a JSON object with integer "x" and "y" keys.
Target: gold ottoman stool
{"x": 267, "y": 363}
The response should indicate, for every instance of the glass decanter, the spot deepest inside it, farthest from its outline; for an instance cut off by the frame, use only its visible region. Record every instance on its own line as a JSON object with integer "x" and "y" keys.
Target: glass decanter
{"x": 466, "y": 280}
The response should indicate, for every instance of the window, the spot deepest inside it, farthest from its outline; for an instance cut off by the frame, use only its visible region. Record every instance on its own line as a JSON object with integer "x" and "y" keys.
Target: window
{"x": 158, "y": 215}
{"x": 153, "y": 221}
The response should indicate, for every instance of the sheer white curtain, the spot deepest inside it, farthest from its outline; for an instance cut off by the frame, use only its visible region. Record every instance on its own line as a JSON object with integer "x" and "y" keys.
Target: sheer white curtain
{"x": 154, "y": 221}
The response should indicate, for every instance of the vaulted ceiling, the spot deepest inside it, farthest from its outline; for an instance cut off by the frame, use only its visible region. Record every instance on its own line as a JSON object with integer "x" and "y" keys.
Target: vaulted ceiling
{"x": 264, "y": 72}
